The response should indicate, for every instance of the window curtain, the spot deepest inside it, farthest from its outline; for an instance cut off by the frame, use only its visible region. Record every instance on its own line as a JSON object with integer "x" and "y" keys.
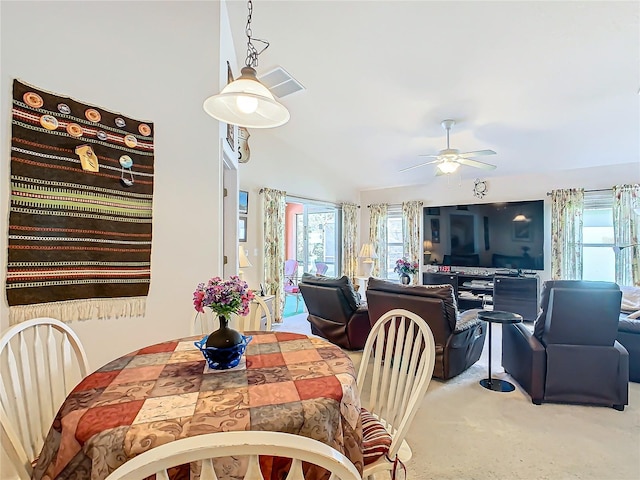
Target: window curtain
{"x": 567, "y": 207}
{"x": 626, "y": 231}
{"x": 274, "y": 217}
{"x": 378, "y": 237}
{"x": 411, "y": 235}
{"x": 350, "y": 240}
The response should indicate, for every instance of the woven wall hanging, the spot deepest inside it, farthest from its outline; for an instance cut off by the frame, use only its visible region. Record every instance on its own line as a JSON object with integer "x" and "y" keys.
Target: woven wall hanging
{"x": 80, "y": 210}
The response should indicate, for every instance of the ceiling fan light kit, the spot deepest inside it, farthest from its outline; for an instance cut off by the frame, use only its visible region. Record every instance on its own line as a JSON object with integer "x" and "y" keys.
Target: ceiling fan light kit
{"x": 449, "y": 159}
{"x": 246, "y": 102}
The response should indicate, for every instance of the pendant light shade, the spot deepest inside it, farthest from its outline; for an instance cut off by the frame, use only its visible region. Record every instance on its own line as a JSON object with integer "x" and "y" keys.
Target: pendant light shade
{"x": 247, "y": 103}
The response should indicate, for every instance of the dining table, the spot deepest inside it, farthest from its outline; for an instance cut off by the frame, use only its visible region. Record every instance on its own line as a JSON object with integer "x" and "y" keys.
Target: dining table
{"x": 285, "y": 382}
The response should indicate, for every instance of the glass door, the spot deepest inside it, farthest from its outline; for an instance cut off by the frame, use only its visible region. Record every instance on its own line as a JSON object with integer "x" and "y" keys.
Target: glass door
{"x": 315, "y": 234}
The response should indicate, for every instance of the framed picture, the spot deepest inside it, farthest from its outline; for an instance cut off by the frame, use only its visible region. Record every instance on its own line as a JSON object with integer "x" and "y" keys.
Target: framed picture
{"x": 243, "y": 205}
{"x": 242, "y": 229}
{"x": 521, "y": 231}
{"x": 435, "y": 230}
{"x": 230, "y": 128}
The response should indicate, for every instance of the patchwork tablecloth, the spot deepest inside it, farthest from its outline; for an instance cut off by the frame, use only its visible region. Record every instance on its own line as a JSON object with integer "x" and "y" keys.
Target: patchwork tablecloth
{"x": 287, "y": 382}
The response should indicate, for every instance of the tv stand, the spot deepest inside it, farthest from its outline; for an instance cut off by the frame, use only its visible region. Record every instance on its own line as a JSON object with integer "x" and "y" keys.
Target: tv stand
{"x": 515, "y": 294}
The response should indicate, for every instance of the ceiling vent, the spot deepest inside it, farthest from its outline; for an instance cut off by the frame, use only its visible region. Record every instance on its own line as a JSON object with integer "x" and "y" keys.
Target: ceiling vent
{"x": 280, "y": 82}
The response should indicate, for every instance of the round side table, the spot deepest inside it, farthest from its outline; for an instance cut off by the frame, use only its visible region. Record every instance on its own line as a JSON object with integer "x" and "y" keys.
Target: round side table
{"x": 497, "y": 316}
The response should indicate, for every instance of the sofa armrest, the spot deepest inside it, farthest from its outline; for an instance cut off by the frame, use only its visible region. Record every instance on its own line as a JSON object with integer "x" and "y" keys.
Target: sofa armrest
{"x": 358, "y": 328}
{"x": 525, "y": 359}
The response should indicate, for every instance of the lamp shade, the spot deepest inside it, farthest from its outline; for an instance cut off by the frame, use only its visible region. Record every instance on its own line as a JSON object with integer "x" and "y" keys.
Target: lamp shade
{"x": 520, "y": 218}
{"x": 243, "y": 261}
{"x": 248, "y": 103}
{"x": 367, "y": 251}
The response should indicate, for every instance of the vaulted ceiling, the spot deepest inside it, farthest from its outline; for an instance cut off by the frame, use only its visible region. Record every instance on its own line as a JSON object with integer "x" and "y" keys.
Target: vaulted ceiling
{"x": 547, "y": 85}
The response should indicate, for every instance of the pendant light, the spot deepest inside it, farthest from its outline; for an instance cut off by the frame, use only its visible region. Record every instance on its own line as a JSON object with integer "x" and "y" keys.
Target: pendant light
{"x": 246, "y": 102}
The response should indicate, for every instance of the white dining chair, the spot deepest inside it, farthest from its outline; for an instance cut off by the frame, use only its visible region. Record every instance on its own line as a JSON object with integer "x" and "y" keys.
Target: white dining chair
{"x": 401, "y": 349}
{"x": 204, "y": 323}
{"x": 41, "y": 361}
{"x": 253, "y": 321}
{"x": 237, "y": 443}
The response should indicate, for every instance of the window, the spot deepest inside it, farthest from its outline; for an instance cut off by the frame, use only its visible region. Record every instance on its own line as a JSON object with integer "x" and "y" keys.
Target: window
{"x": 315, "y": 235}
{"x": 597, "y": 242}
{"x": 395, "y": 244}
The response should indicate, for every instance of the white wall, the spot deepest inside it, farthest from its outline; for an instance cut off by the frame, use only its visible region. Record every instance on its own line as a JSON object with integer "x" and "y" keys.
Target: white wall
{"x": 154, "y": 61}
{"x": 448, "y": 191}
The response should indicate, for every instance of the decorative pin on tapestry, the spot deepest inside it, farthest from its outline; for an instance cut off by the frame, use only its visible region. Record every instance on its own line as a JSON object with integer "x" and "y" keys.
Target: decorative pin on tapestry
{"x": 88, "y": 158}
{"x": 126, "y": 163}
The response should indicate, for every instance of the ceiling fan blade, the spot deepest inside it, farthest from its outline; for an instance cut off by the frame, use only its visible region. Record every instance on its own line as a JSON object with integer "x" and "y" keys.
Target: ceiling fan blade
{"x": 475, "y": 163}
{"x": 419, "y": 165}
{"x": 477, "y": 153}
{"x": 432, "y": 155}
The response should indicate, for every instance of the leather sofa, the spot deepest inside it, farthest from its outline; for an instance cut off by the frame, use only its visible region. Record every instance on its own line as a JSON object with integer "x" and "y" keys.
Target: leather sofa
{"x": 572, "y": 355}
{"x": 459, "y": 338}
{"x": 335, "y": 310}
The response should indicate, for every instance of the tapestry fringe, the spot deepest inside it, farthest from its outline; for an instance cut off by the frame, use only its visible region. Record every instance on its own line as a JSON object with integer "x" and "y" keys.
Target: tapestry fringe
{"x": 72, "y": 310}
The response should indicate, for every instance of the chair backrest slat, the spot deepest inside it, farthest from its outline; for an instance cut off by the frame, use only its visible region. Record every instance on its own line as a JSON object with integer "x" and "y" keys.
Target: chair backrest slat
{"x": 18, "y": 409}
{"x": 253, "y": 470}
{"x": 43, "y": 394}
{"x": 35, "y": 382}
{"x": 295, "y": 472}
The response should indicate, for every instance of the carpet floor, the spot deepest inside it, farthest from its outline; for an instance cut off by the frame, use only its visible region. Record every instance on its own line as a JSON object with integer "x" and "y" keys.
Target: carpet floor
{"x": 463, "y": 431}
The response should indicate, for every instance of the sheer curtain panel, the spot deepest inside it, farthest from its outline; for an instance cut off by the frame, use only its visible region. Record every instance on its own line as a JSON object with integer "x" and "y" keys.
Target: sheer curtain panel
{"x": 274, "y": 217}
{"x": 350, "y": 240}
{"x": 567, "y": 208}
{"x": 626, "y": 231}
{"x": 378, "y": 236}
{"x": 411, "y": 235}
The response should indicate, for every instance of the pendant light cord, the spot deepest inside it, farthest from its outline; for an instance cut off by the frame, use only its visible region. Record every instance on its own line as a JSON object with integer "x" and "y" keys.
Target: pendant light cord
{"x": 252, "y": 52}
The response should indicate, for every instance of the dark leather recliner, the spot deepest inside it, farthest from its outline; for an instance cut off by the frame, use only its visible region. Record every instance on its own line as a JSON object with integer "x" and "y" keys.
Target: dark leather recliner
{"x": 459, "y": 337}
{"x": 335, "y": 310}
{"x": 572, "y": 355}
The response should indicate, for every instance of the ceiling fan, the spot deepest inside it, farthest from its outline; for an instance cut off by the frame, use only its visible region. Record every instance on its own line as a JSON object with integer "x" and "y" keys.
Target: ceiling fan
{"x": 449, "y": 159}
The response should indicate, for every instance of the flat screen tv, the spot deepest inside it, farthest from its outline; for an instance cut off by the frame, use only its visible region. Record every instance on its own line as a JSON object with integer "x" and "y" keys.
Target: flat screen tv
{"x": 507, "y": 235}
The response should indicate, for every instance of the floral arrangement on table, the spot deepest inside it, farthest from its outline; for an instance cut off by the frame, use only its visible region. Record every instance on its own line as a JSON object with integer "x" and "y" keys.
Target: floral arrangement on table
{"x": 223, "y": 348}
{"x": 405, "y": 267}
{"x": 223, "y": 296}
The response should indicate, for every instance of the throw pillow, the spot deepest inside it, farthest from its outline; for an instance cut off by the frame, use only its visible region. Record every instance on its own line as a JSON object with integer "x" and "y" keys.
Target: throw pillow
{"x": 630, "y": 298}
{"x": 634, "y": 315}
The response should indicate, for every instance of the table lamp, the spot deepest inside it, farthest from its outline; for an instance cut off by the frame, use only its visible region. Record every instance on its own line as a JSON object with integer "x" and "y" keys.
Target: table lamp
{"x": 243, "y": 261}
{"x": 427, "y": 245}
{"x": 367, "y": 254}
